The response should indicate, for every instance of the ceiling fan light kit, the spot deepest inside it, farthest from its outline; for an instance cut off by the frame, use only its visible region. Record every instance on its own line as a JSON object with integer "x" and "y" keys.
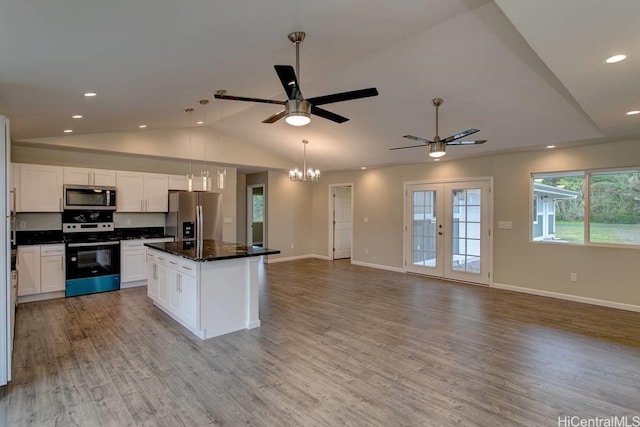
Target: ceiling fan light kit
{"x": 298, "y": 110}
{"x": 437, "y": 147}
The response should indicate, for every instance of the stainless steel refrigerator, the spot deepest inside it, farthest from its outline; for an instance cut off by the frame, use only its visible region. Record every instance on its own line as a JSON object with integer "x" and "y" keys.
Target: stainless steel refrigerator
{"x": 195, "y": 215}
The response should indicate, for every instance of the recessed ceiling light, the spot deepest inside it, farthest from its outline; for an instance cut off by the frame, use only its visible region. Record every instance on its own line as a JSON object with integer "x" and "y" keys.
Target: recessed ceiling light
{"x": 76, "y": 116}
{"x": 200, "y": 122}
{"x": 436, "y": 160}
{"x": 551, "y": 146}
{"x": 89, "y": 94}
{"x": 142, "y": 126}
{"x": 633, "y": 113}
{"x": 68, "y": 130}
{"x": 615, "y": 58}
{"x": 363, "y": 167}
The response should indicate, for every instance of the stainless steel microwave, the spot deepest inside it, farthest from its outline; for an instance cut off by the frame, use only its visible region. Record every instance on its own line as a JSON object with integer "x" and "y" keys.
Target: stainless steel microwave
{"x": 89, "y": 197}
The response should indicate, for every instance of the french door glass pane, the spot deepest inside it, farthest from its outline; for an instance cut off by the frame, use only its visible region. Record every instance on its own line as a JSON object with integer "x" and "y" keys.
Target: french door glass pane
{"x": 424, "y": 229}
{"x": 466, "y": 230}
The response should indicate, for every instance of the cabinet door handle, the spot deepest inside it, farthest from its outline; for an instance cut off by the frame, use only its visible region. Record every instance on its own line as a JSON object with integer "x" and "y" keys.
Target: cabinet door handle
{"x": 146, "y": 208}
{"x": 173, "y": 262}
{"x": 141, "y": 205}
{"x": 60, "y": 204}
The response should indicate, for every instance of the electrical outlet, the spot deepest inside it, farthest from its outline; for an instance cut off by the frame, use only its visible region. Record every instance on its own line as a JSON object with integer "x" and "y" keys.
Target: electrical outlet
{"x": 366, "y": 219}
{"x": 573, "y": 277}
{"x": 23, "y": 224}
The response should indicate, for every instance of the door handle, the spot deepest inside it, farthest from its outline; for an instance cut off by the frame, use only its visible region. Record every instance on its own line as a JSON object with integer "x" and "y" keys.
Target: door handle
{"x": 440, "y": 233}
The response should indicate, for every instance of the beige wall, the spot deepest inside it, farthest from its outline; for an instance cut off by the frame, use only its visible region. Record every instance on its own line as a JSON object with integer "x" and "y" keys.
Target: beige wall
{"x": 603, "y": 272}
{"x": 289, "y": 222}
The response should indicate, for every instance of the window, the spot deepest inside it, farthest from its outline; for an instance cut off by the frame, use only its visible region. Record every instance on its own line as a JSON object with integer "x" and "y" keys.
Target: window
{"x": 580, "y": 207}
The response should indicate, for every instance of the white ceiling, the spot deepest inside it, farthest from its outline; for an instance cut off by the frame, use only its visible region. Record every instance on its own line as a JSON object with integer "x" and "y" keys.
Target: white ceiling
{"x": 533, "y": 77}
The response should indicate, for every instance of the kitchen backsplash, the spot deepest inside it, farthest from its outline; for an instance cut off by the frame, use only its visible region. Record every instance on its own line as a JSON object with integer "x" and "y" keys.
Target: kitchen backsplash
{"x": 53, "y": 221}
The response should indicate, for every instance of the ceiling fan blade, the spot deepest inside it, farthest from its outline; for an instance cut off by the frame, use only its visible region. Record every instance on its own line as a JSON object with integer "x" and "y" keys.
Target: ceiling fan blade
{"x": 460, "y": 135}
{"x": 480, "y": 141}
{"x": 410, "y": 146}
{"x": 275, "y": 117}
{"x": 417, "y": 138}
{"x": 242, "y": 98}
{"x": 327, "y": 114}
{"x": 287, "y": 76}
{"x": 343, "y": 96}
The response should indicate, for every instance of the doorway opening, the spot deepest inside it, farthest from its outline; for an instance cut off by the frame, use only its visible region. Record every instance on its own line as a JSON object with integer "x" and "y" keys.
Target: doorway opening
{"x": 256, "y": 215}
{"x": 340, "y": 220}
{"x": 447, "y": 229}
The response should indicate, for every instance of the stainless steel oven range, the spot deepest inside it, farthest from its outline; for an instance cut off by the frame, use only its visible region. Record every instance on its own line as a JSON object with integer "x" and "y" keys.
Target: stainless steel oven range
{"x": 92, "y": 252}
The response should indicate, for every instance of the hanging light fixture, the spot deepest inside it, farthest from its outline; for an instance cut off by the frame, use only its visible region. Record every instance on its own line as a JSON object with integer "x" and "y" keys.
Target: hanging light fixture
{"x": 221, "y": 174}
{"x": 190, "y": 174}
{"x": 204, "y": 174}
{"x": 305, "y": 174}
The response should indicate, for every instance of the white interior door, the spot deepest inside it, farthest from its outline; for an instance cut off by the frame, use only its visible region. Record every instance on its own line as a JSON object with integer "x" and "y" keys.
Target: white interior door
{"x": 342, "y": 222}
{"x": 448, "y": 230}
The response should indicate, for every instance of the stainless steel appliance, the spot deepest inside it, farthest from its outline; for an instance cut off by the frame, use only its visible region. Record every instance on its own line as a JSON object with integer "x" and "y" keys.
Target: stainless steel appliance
{"x": 85, "y": 197}
{"x": 195, "y": 215}
{"x": 7, "y": 307}
{"x": 92, "y": 254}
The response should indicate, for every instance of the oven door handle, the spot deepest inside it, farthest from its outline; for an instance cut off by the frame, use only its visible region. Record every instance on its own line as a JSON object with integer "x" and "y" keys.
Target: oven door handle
{"x": 80, "y": 245}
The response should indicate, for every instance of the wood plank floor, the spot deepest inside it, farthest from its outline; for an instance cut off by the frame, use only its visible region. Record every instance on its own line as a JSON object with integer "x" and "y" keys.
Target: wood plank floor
{"x": 339, "y": 345}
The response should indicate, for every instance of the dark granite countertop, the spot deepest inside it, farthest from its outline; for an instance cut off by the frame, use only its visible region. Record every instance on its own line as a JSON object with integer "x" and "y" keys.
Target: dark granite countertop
{"x": 211, "y": 250}
{"x": 56, "y": 236}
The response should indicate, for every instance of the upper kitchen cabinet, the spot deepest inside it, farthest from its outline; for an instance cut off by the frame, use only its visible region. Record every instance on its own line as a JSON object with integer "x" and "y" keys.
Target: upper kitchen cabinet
{"x": 83, "y": 176}
{"x": 38, "y": 188}
{"x": 142, "y": 192}
{"x": 181, "y": 182}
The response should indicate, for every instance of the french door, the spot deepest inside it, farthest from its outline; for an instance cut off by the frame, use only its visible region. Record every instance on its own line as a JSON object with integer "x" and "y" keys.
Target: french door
{"x": 447, "y": 230}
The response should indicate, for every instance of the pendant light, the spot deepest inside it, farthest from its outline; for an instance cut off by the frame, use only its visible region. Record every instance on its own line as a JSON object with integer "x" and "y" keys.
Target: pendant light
{"x": 190, "y": 174}
{"x": 305, "y": 174}
{"x": 221, "y": 174}
{"x": 204, "y": 174}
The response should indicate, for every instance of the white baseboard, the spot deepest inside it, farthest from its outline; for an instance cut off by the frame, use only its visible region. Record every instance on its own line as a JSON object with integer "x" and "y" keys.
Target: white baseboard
{"x": 293, "y": 258}
{"x": 568, "y": 297}
{"x": 254, "y": 324}
{"x": 378, "y": 266}
{"x": 40, "y": 297}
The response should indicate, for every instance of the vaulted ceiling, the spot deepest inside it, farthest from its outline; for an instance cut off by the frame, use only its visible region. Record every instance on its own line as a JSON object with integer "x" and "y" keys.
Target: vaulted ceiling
{"x": 527, "y": 74}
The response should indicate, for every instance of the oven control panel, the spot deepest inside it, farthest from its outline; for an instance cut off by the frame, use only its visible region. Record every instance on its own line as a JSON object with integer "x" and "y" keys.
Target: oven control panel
{"x": 87, "y": 227}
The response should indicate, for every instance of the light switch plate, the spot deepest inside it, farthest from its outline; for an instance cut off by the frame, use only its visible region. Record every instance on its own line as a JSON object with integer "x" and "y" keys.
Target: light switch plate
{"x": 505, "y": 225}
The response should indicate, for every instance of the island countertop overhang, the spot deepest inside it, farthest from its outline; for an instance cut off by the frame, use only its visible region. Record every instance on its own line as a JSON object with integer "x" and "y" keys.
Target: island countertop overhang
{"x": 210, "y": 250}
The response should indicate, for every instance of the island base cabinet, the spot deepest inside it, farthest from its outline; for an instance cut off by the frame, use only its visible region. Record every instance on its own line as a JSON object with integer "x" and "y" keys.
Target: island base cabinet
{"x": 208, "y": 298}
{"x": 229, "y": 291}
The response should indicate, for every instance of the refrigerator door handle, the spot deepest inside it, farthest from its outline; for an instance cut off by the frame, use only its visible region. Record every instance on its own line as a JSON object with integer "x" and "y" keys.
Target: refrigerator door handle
{"x": 199, "y": 232}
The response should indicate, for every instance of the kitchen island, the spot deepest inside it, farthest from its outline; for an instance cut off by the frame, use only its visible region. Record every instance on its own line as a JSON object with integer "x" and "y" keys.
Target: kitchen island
{"x": 210, "y": 287}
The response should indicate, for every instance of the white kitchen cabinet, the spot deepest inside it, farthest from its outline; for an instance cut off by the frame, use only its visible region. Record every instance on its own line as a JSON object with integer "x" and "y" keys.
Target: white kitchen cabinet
{"x": 142, "y": 192}
{"x": 156, "y": 192}
{"x": 28, "y": 266}
{"x": 152, "y": 277}
{"x": 132, "y": 265}
{"x": 52, "y": 266}
{"x": 181, "y": 182}
{"x": 133, "y": 258}
{"x": 39, "y": 188}
{"x": 189, "y": 299}
{"x": 84, "y": 176}
{"x": 175, "y": 287}
{"x": 178, "y": 182}
{"x": 40, "y": 269}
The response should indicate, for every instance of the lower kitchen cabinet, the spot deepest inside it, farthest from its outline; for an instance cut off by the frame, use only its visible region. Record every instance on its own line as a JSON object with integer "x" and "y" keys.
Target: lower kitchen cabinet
{"x": 173, "y": 285}
{"x": 40, "y": 269}
{"x": 133, "y": 261}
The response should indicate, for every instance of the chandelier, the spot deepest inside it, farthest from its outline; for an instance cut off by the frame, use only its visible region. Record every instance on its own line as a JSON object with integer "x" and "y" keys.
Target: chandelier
{"x": 305, "y": 174}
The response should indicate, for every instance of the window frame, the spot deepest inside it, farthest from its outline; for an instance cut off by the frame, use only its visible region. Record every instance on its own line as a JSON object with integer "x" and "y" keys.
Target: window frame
{"x": 587, "y": 173}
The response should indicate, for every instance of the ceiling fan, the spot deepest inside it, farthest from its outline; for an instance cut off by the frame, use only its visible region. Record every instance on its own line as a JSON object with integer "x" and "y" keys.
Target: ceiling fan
{"x": 437, "y": 146}
{"x": 298, "y": 110}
